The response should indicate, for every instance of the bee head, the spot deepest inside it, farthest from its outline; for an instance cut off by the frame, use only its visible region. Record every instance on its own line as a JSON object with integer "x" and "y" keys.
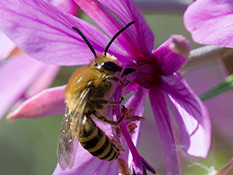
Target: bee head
{"x": 111, "y": 66}
{"x": 107, "y": 63}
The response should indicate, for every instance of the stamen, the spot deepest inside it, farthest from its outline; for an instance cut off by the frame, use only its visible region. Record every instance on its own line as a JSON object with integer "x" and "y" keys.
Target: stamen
{"x": 118, "y": 132}
{"x": 128, "y": 112}
{"x": 131, "y": 127}
{"x": 123, "y": 167}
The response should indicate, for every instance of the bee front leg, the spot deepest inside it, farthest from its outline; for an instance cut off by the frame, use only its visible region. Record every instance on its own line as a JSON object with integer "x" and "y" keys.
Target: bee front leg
{"x": 103, "y": 101}
{"x": 119, "y": 80}
{"x": 116, "y": 103}
{"x": 111, "y": 122}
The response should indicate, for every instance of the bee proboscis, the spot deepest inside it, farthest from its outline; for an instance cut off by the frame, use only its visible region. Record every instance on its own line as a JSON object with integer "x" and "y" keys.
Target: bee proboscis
{"x": 87, "y": 94}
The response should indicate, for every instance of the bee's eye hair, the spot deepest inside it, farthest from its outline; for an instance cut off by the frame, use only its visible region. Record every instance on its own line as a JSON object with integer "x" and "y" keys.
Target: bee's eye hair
{"x": 109, "y": 65}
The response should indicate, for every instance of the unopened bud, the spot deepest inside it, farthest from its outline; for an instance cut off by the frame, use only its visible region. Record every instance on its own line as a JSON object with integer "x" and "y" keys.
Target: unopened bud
{"x": 180, "y": 45}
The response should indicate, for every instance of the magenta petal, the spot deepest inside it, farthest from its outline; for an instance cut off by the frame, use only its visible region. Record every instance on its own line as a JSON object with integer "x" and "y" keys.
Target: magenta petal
{"x": 212, "y": 25}
{"x": 127, "y": 11}
{"x": 137, "y": 102}
{"x": 45, "y": 32}
{"x": 46, "y": 103}
{"x": 43, "y": 81}
{"x": 190, "y": 113}
{"x": 172, "y": 54}
{"x": 86, "y": 164}
{"x": 131, "y": 39}
{"x": 159, "y": 107}
{"x": 66, "y": 5}
{"x": 16, "y": 75}
{"x": 6, "y": 46}
{"x": 100, "y": 15}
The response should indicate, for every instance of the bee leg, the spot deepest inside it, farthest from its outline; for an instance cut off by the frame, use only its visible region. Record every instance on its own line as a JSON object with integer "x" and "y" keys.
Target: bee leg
{"x": 111, "y": 122}
{"x": 117, "y": 79}
{"x": 116, "y": 103}
{"x": 103, "y": 101}
{"x": 124, "y": 84}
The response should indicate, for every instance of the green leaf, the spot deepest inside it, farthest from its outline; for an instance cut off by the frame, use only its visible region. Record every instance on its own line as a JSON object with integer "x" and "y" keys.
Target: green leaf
{"x": 222, "y": 87}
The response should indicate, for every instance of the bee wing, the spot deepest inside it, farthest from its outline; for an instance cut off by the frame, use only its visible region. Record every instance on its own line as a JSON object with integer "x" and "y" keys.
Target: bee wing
{"x": 69, "y": 133}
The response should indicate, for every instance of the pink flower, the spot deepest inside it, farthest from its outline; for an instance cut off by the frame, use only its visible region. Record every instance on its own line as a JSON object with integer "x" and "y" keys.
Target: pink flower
{"x": 22, "y": 76}
{"x": 6, "y": 46}
{"x": 220, "y": 105}
{"x": 68, "y": 6}
{"x": 210, "y": 22}
{"x": 45, "y": 33}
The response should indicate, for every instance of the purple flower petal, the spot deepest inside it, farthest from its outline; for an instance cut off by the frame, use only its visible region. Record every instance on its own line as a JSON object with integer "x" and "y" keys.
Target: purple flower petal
{"x": 6, "y": 46}
{"x": 16, "y": 75}
{"x": 127, "y": 11}
{"x": 190, "y": 113}
{"x": 44, "y": 32}
{"x": 212, "y": 25}
{"x": 161, "y": 114}
{"x": 66, "y": 5}
{"x": 137, "y": 102}
{"x": 223, "y": 103}
{"x": 172, "y": 54}
{"x": 85, "y": 163}
{"x": 132, "y": 40}
{"x": 43, "y": 81}
{"x": 46, "y": 103}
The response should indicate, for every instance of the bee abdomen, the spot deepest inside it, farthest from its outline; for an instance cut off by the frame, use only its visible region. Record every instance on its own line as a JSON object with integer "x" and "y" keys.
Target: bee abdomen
{"x": 99, "y": 145}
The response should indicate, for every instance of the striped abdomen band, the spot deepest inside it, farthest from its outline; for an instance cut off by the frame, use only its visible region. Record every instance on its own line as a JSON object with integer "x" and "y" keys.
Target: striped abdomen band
{"x": 99, "y": 145}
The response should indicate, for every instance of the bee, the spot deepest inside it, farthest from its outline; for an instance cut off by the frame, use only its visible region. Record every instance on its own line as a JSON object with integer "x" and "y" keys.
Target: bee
{"x": 88, "y": 94}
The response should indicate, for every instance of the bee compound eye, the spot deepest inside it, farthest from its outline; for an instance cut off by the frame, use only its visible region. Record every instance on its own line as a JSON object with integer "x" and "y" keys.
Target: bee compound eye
{"x": 109, "y": 65}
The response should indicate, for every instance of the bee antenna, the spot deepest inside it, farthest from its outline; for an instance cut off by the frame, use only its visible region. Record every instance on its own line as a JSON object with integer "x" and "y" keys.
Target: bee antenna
{"x": 86, "y": 40}
{"x": 116, "y": 35}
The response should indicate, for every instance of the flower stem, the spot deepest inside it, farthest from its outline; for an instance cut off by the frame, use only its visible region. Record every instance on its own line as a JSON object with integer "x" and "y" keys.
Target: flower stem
{"x": 167, "y": 7}
{"x": 205, "y": 55}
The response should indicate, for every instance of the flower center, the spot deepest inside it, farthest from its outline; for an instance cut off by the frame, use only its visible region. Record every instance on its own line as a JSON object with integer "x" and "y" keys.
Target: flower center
{"x": 146, "y": 72}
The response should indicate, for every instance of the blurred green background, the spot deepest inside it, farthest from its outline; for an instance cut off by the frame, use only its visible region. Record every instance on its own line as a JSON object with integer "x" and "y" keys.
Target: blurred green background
{"x": 28, "y": 146}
